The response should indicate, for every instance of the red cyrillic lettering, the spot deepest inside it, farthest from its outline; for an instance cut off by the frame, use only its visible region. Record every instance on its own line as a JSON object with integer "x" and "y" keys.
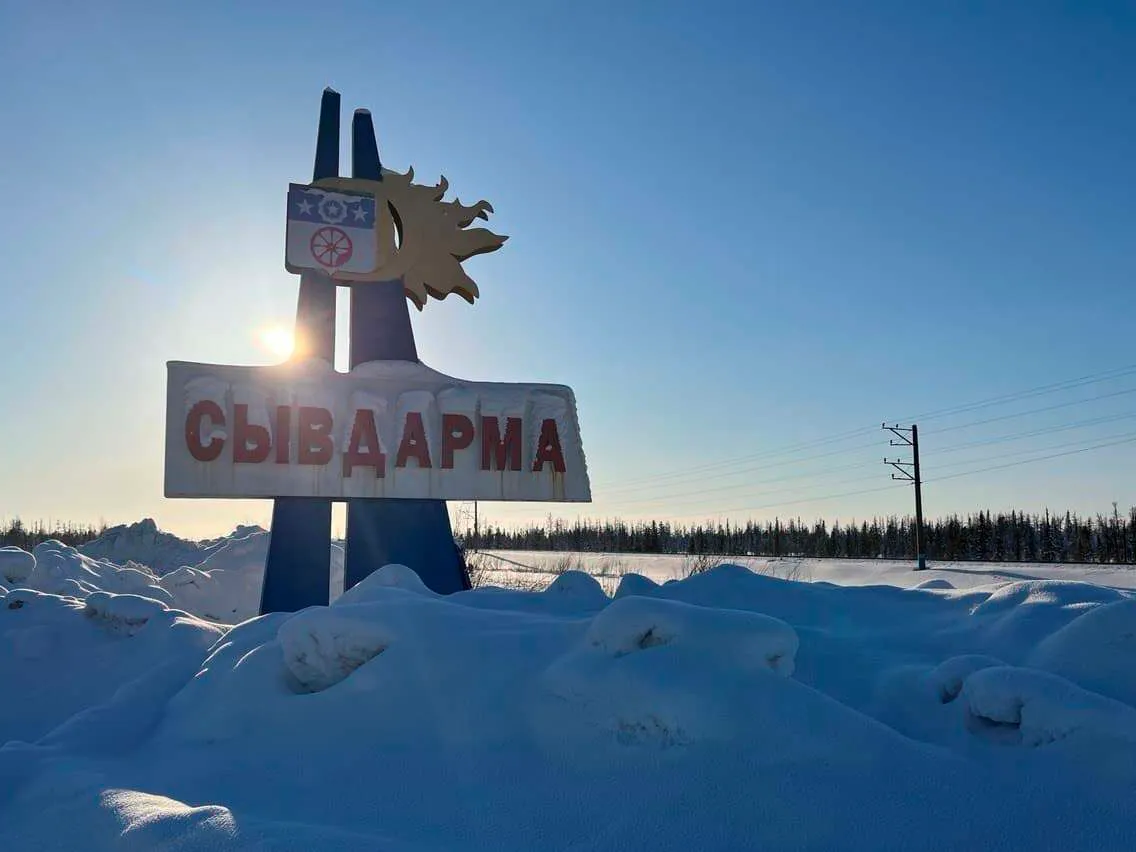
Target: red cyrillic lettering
{"x": 548, "y": 450}
{"x": 245, "y": 433}
{"x": 314, "y": 435}
{"x": 413, "y": 444}
{"x": 494, "y": 448}
{"x": 283, "y": 433}
{"x": 194, "y": 422}
{"x": 363, "y": 431}
{"x": 457, "y": 434}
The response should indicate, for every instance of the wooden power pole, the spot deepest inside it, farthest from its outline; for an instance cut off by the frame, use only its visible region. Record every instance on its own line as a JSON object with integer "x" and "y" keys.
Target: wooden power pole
{"x": 908, "y": 471}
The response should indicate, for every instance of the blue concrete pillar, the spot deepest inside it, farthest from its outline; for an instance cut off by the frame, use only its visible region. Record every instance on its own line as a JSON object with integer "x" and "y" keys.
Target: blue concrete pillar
{"x": 416, "y": 533}
{"x": 297, "y": 570}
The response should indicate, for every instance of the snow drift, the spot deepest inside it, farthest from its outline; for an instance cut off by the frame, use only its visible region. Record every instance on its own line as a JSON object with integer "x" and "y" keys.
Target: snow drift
{"x": 724, "y": 711}
{"x": 219, "y": 579}
{"x": 61, "y": 656}
{"x": 144, "y": 543}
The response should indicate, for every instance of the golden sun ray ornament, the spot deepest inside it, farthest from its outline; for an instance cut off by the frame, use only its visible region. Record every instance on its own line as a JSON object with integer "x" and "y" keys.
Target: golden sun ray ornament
{"x": 418, "y": 237}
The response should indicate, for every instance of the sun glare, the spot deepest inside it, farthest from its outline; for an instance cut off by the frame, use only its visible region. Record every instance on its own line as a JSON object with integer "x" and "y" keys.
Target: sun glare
{"x": 277, "y": 340}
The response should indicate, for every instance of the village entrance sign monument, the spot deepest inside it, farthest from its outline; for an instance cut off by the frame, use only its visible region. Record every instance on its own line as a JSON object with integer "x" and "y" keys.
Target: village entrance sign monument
{"x": 391, "y": 437}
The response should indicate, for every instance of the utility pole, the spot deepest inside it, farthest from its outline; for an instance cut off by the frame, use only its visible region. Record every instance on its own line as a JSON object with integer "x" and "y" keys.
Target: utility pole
{"x": 476, "y": 534}
{"x": 908, "y": 471}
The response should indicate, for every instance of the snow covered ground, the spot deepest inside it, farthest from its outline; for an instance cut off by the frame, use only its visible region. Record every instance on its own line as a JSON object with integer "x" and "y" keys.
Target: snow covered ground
{"x": 992, "y": 708}
{"x": 534, "y": 569}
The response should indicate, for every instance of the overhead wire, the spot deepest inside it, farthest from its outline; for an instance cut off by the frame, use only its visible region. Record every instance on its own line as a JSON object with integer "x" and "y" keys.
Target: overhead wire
{"x": 1063, "y": 427}
{"x": 780, "y": 503}
{"x": 688, "y": 496}
{"x": 685, "y": 496}
{"x": 761, "y": 466}
{"x": 1041, "y": 410}
{"x": 682, "y": 498}
{"x": 1023, "y": 452}
{"x": 750, "y": 463}
{"x": 1054, "y": 387}
{"x": 893, "y": 486}
{"x": 1131, "y": 438}
{"x": 1068, "y": 384}
{"x": 812, "y": 474}
{"x": 1127, "y": 440}
{"x": 686, "y": 472}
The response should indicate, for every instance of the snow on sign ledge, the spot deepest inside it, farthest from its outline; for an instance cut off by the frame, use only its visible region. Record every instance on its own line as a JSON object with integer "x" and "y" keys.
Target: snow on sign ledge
{"x": 386, "y": 429}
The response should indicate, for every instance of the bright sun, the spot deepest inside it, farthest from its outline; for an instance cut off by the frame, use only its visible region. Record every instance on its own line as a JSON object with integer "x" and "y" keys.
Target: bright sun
{"x": 277, "y": 340}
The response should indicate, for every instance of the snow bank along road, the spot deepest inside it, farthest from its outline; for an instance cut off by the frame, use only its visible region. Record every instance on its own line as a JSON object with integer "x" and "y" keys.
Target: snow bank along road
{"x": 730, "y": 710}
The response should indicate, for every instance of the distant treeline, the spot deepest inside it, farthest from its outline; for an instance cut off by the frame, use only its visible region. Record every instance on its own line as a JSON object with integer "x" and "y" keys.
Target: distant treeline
{"x": 1013, "y": 537}
{"x": 19, "y": 534}
{"x": 984, "y": 537}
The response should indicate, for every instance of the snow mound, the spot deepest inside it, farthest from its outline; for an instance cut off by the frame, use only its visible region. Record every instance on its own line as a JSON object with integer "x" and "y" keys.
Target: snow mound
{"x": 321, "y": 647}
{"x": 946, "y": 679}
{"x": 1033, "y": 708}
{"x": 62, "y": 570}
{"x": 750, "y": 640}
{"x": 144, "y": 543}
{"x": 219, "y": 579}
{"x": 199, "y": 592}
{"x": 635, "y": 584}
{"x": 226, "y": 585}
{"x": 126, "y": 820}
{"x": 238, "y": 694}
{"x": 1021, "y": 614}
{"x": 754, "y": 703}
{"x": 16, "y": 565}
{"x": 64, "y": 655}
{"x": 1009, "y": 598}
{"x": 219, "y": 595}
{"x": 1096, "y": 650}
{"x": 122, "y": 614}
{"x": 392, "y": 576}
{"x": 935, "y": 584}
{"x": 158, "y": 822}
{"x": 663, "y": 673}
{"x": 576, "y": 590}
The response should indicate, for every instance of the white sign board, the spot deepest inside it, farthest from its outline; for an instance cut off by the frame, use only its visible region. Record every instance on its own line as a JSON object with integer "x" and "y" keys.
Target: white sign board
{"x": 391, "y": 429}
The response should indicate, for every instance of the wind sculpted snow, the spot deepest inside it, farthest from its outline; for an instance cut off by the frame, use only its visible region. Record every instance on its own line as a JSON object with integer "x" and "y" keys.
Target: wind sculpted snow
{"x": 222, "y": 582}
{"x": 60, "y": 656}
{"x": 725, "y": 711}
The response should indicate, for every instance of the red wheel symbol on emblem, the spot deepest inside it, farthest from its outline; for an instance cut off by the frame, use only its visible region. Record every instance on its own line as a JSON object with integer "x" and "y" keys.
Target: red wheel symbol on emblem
{"x": 331, "y": 247}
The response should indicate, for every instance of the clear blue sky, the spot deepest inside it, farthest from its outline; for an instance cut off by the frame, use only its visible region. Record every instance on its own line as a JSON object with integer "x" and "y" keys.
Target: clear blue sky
{"x": 734, "y": 228}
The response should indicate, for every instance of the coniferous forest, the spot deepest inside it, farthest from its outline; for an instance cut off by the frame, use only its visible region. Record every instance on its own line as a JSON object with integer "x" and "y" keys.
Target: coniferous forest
{"x": 984, "y": 536}
{"x": 15, "y": 533}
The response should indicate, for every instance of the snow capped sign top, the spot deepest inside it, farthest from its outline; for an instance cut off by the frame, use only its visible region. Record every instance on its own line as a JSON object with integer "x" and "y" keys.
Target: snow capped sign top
{"x": 386, "y": 429}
